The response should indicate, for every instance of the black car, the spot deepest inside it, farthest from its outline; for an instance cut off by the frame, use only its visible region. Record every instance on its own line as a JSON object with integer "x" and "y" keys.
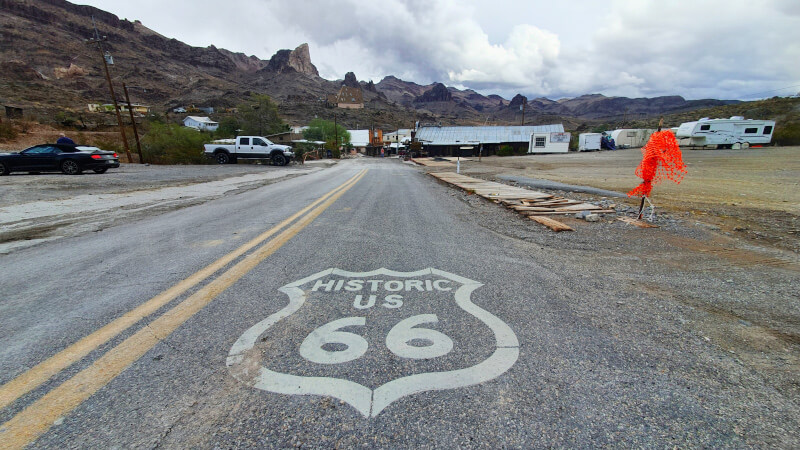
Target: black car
{"x": 70, "y": 159}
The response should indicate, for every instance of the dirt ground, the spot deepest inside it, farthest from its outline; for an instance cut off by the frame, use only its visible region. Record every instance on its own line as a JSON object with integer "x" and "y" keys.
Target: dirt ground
{"x": 752, "y": 194}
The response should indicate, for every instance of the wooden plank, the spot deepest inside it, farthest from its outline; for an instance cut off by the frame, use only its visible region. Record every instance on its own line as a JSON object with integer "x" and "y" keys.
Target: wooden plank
{"x": 551, "y": 223}
{"x": 565, "y": 213}
{"x": 637, "y": 222}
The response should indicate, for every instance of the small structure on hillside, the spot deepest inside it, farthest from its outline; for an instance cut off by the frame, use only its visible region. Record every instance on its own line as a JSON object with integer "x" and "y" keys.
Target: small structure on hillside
{"x": 13, "y": 112}
{"x": 348, "y": 98}
{"x": 200, "y": 123}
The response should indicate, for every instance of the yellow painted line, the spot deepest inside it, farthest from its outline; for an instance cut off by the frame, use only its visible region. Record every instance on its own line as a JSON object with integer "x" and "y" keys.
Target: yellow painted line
{"x": 43, "y": 371}
{"x": 37, "y": 418}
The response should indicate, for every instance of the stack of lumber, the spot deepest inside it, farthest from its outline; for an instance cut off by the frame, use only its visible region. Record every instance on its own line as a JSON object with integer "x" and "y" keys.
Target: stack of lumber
{"x": 430, "y": 162}
{"x": 524, "y": 201}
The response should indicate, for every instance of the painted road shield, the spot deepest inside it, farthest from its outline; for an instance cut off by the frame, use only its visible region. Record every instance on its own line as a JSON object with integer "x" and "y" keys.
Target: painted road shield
{"x": 370, "y": 338}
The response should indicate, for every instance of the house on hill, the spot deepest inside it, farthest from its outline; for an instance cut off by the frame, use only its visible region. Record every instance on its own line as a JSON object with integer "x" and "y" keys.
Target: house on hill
{"x": 200, "y": 123}
{"x": 348, "y": 97}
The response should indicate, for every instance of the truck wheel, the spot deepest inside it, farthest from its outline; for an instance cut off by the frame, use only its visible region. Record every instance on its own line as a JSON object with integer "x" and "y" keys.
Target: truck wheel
{"x": 279, "y": 159}
{"x": 222, "y": 158}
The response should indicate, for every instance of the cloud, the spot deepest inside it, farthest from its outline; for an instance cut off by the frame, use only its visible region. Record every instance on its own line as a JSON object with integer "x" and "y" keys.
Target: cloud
{"x": 697, "y": 48}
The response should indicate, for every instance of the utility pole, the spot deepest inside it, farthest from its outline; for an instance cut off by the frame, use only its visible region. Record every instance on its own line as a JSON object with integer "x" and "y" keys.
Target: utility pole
{"x": 99, "y": 41}
{"x": 133, "y": 122}
{"x": 335, "y": 133}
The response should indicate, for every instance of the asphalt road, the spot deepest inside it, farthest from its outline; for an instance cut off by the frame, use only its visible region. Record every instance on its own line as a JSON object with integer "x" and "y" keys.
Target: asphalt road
{"x": 387, "y": 313}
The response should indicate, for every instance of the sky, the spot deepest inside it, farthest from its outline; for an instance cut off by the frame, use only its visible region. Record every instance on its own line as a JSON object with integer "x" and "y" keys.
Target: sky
{"x": 725, "y": 49}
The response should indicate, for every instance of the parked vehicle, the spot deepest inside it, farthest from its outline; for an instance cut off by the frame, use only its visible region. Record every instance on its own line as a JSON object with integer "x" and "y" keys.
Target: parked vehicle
{"x": 228, "y": 151}
{"x": 70, "y": 159}
{"x": 727, "y": 133}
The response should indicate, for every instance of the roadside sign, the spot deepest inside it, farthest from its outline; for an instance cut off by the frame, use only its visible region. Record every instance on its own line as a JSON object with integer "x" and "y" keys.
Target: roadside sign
{"x": 372, "y": 338}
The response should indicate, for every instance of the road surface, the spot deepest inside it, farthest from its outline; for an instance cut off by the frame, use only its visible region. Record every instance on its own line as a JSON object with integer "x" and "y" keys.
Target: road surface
{"x": 363, "y": 305}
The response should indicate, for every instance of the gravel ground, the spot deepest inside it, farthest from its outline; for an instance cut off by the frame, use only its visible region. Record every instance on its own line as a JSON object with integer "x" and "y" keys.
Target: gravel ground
{"x": 753, "y": 194}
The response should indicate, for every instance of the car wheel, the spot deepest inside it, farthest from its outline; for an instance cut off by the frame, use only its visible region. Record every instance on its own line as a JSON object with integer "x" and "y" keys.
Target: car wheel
{"x": 101, "y": 170}
{"x": 4, "y": 169}
{"x": 223, "y": 158}
{"x": 70, "y": 167}
{"x": 279, "y": 159}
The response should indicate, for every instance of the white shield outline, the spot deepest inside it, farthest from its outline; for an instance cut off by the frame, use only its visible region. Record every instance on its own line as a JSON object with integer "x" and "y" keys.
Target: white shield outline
{"x": 368, "y": 402}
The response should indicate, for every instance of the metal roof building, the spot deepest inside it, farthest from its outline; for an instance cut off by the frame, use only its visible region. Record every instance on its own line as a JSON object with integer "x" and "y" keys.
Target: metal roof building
{"x": 482, "y": 135}
{"x": 450, "y": 140}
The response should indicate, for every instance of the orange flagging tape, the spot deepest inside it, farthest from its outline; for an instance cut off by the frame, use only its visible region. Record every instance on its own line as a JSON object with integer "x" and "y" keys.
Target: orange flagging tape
{"x": 661, "y": 158}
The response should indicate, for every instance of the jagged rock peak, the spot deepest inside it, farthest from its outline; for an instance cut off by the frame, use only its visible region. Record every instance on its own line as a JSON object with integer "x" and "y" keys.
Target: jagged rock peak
{"x": 371, "y": 87}
{"x": 438, "y": 93}
{"x": 518, "y": 100}
{"x": 298, "y": 60}
{"x": 350, "y": 80}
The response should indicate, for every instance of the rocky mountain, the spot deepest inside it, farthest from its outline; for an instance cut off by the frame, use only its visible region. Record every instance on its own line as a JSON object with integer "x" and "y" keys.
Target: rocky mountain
{"x": 47, "y": 73}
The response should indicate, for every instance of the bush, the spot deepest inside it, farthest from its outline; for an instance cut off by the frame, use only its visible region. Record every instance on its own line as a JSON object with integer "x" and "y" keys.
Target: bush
{"x": 505, "y": 150}
{"x": 786, "y": 134}
{"x": 174, "y": 144}
{"x": 7, "y": 131}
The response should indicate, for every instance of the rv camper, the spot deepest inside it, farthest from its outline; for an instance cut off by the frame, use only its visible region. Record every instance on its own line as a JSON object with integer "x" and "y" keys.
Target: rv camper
{"x": 631, "y": 137}
{"x": 727, "y": 133}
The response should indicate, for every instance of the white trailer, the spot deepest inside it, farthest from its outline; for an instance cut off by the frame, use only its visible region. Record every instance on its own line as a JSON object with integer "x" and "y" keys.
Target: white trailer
{"x": 589, "y": 142}
{"x": 555, "y": 142}
{"x": 727, "y": 133}
{"x": 631, "y": 137}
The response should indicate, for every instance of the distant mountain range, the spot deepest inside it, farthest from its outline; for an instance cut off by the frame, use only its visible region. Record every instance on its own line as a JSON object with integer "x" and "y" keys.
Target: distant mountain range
{"x": 46, "y": 68}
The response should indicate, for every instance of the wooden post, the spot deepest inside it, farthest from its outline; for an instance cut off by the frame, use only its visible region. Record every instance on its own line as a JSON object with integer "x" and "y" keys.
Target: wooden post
{"x": 133, "y": 122}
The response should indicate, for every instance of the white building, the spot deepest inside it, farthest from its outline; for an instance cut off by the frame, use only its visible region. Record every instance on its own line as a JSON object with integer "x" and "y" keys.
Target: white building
{"x": 200, "y": 123}
{"x": 359, "y": 139}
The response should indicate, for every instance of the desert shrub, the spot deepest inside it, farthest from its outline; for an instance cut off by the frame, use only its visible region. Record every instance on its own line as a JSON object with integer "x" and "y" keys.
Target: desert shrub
{"x": 174, "y": 144}
{"x": 110, "y": 142}
{"x": 787, "y": 134}
{"x": 505, "y": 150}
{"x": 7, "y": 131}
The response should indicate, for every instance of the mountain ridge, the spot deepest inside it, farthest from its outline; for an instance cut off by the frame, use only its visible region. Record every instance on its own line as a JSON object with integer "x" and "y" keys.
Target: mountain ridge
{"x": 55, "y": 71}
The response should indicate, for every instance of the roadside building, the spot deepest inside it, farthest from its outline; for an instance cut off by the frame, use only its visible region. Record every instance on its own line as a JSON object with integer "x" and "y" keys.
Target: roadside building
{"x": 469, "y": 141}
{"x": 359, "y": 139}
{"x": 200, "y": 123}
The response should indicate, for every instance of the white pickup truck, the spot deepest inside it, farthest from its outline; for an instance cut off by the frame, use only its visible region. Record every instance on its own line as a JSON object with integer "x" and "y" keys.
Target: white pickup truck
{"x": 227, "y": 151}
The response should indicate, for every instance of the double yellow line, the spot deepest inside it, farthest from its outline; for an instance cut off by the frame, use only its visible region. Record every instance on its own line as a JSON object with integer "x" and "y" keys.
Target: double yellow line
{"x": 39, "y": 416}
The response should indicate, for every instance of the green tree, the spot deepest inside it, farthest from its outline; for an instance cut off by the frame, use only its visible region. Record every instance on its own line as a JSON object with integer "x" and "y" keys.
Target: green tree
{"x": 326, "y": 130}
{"x": 258, "y": 116}
{"x": 228, "y": 127}
{"x": 169, "y": 143}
